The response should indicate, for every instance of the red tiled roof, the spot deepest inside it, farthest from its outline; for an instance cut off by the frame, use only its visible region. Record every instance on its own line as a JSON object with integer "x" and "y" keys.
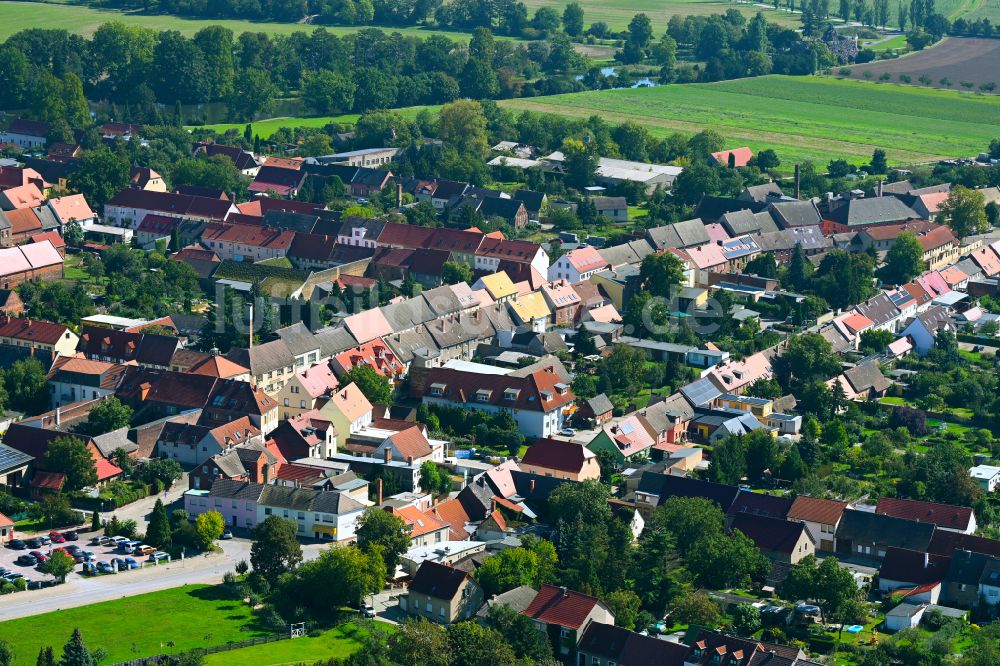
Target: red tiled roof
{"x": 453, "y": 512}
{"x": 48, "y": 480}
{"x": 536, "y": 392}
{"x": 935, "y": 238}
{"x": 562, "y": 607}
{"x": 557, "y": 454}
{"x": 942, "y": 515}
{"x": 816, "y": 510}
{"x": 411, "y": 443}
{"x": 50, "y": 236}
{"x": 243, "y": 234}
{"x": 31, "y": 330}
{"x": 741, "y": 156}
{"x": 420, "y": 522}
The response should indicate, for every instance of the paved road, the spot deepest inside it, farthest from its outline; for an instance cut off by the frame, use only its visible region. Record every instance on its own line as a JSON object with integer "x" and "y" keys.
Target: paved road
{"x": 80, "y": 591}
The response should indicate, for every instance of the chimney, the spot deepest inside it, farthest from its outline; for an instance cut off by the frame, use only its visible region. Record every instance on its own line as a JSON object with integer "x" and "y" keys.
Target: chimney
{"x": 531, "y": 486}
{"x": 798, "y": 181}
{"x": 58, "y": 416}
{"x": 880, "y": 187}
{"x": 387, "y": 455}
{"x": 563, "y": 592}
{"x": 399, "y": 195}
{"x": 380, "y": 492}
{"x": 927, "y": 560}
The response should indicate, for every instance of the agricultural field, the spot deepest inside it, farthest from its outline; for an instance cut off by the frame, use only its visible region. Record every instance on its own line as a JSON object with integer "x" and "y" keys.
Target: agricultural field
{"x": 265, "y": 128}
{"x": 948, "y": 64}
{"x": 84, "y": 20}
{"x": 139, "y": 626}
{"x": 969, "y": 9}
{"x": 617, "y": 13}
{"x": 802, "y": 118}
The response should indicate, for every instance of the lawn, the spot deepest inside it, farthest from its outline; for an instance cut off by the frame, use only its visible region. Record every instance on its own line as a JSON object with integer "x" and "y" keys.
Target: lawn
{"x": 618, "y": 13}
{"x": 337, "y": 643}
{"x": 168, "y": 621}
{"x": 17, "y": 16}
{"x": 802, "y": 118}
{"x": 265, "y": 128}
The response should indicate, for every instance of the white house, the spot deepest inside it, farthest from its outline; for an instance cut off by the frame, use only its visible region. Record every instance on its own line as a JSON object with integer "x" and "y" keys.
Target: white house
{"x": 577, "y": 265}
{"x": 987, "y": 476}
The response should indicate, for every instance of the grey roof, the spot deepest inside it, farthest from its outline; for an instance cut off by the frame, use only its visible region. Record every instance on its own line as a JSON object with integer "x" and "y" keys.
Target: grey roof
{"x": 600, "y": 404}
{"x": 969, "y": 267}
{"x": 664, "y": 415}
{"x": 795, "y": 213}
{"x": 109, "y": 442}
{"x": 761, "y": 192}
{"x": 966, "y": 567}
{"x": 47, "y": 218}
{"x": 229, "y": 463}
{"x": 237, "y": 490}
{"x": 517, "y": 600}
{"x": 11, "y": 458}
{"x": 263, "y": 358}
{"x": 867, "y": 376}
{"x": 298, "y": 338}
{"x": 332, "y": 341}
{"x": 864, "y": 527}
{"x": 407, "y": 344}
{"x": 835, "y": 338}
{"x": 811, "y": 238}
{"x": 408, "y": 314}
{"x": 442, "y": 300}
{"x": 307, "y": 499}
{"x": 688, "y": 233}
{"x": 857, "y": 212}
{"x": 741, "y": 222}
{"x": 609, "y": 203}
{"x": 879, "y": 308}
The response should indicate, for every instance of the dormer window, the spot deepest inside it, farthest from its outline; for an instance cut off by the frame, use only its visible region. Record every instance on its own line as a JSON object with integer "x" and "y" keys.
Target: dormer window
{"x": 561, "y": 388}
{"x": 437, "y": 389}
{"x": 483, "y": 395}
{"x": 511, "y": 394}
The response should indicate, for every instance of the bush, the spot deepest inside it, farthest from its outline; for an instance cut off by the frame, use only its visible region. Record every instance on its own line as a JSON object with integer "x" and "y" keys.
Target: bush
{"x": 865, "y": 55}
{"x": 242, "y": 567}
{"x": 885, "y": 76}
{"x": 844, "y": 71}
{"x": 868, "y": 74}
{"x": 8, "y": 588}
{"x": 905, "y": 78}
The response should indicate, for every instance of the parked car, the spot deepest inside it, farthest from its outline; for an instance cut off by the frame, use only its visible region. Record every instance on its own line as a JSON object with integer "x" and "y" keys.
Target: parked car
{"x": 12, "y": 576}
{"x": 38, "y": 556}
{"x": 115, "y": 540}
{"x": 16, "y": 544}
{"x": 119, "y": 564}
{"x": 567, "y": 432}
{"x": 89, "y": 568}
{"x": 26, "y": 560}
{"x": 105, "y": 567}
{"x": 143, "y": 549}
{"x": 88, "y": 555}
{"x": 34, "y": 542}
{"x": 227, "y": 534}
{"x": 159, "y": 556}
{"x": 127, "y": 546}
{"x": 71, "y": 535}
{"x": 132, "y": 564}
{"x": 367, "y": 610}
{"x": 46, "y": 541}
{"x": 56, "y": 537}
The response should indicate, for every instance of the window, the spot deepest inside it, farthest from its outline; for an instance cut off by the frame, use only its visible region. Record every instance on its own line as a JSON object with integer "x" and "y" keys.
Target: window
{"x": 302, "y": 404}
{"x": 286, "y": 402}
{"x": 430, "y": 608}
{"x": 267, "y": 511}
{"x": 565, "y": 633}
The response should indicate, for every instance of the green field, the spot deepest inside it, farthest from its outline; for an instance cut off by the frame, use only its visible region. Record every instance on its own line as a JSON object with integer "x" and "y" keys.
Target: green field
{"x": 617, "y": 13}
{"x": 144, "y": 625}
{"x": 801, "y": 118}
{"x": 266, "y": 128}
{"x": 16, "y": 16}
{"x": 336, "y": 643}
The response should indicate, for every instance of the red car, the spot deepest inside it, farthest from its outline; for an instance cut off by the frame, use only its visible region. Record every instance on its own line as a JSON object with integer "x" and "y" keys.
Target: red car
{"x": 38, "y": 556}
{"x": 56, "y": 537}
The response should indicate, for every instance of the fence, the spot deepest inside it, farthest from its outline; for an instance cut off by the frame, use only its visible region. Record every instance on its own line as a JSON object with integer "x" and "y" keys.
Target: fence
{"x": 161, "y": 659}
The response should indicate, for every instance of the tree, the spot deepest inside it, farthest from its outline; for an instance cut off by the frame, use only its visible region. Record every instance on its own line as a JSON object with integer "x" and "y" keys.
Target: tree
{"x": 110, "y": 415}
{"x": 434, "y": 479}
{"x": 158, "y": 531}
{"x": 455, "y": 272}
{"x": 695, "y": 181}
{"x": 420, "y": 642}
{"x": 807, "y": 357}
{"x": 904, "y": 260}
{"x": 964, "y": 211}
{"x": 6, "y": 653}
{"x": 474, "y": 645}
{"x": 572, "y": 19}
{"x": 661, "y": 274}
{"x": 210, "y": 526}
{"x": 45, "y": 657}
{"x": 624, "y": 368}
{"x": 762, "y": 453}
{"x": 696, "y": 608}
{"x": 25, "y": 383}
{"x": 75, "y": 653}
{"x": 878, "y": 163}
{"x": 521, "y": 634}
{"x": 721, "y": 561}
{"x": 826, "y": 583}
{"x": 624, "y": 605}
{"x": 100, "y": 176}
{"x": 746, "y": 619}
{"x": 479, "y": 77}
{"x": 95, "y": 521}
{"x": 580, "y": 163}
{"x": 53, "y": 509}
{"x": 767, "y": 160}
{"x": 59, "y": 565}
{"x": 340, "y": 576}
{"x": 73, "y": 234}
{"x": 508, "y": 569}
{"x": 729, "y": 461}
{"x": 71, "y": 456}
{"x": 386, "y": 532}
{"x": 275, "y": 549}
{"x": 375, "y": 387}
{"x": 688, "y": 519}
{"x": 876, "y": 340}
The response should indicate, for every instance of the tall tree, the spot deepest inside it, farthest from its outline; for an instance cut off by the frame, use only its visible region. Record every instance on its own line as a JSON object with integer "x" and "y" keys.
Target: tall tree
{"x": 75, "y": 653}
{"x": 100, "y": 176}
{"x": 158, "y": 531}
{"x": 71, "y": 456}
{"x": 479, "y": 78}
{"x": 111, "y": 414}
{"x": 964, "y": 211}
{"x": 904, "y": 260}
{"x": 661, "y": 274}
{"x": 572, "y": 19}
{"x": 275, "y": 548}
{"x": 383, "y": 532}
{"x": 375, "y": 386}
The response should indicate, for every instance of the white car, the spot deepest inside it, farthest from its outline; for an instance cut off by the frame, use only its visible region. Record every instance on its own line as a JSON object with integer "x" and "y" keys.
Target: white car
{"x": 567, "y": 432}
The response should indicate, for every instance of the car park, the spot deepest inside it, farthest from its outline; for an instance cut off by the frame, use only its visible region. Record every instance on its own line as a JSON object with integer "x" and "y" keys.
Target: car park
{"x": 26, "y": 560}
{"x": 159, "y": 556}
{"x": 105, "y": 567}
{"x": 38, "y": 556}
{"x": 45, "y": 539}
{"x": 16, "y": 544}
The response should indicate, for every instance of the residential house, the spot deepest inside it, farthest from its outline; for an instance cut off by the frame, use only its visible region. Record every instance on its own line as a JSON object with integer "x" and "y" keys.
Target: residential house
{"x": 961, "y": 584}
{"x": 902, "y": 568}
{"x": 442, "y": 594}
{"x": 129, "y": 207}
{"x": 534, "y": 202}
{"x": 655, "y": 488}
{"x": 554, "y": 457}
{"x": 27, "y": 134}
{"x": 15, "y": 468}
{"x": 780, "y": 540}
{"x": 564, "y": 302}
{"x": 540, "y": 402}
{"x": 410, "y": 445}
{"x": 736, "y": 376}
{"x": 624, "y": 439}
{"x": 192, "y": 445}
{"x": 309, "y": 435}
{"x": 737, "y": 157}
{"x": 945, "y": 516}
{"x": 277, "y": 181}
{"x": 680, "y": 235}
{"x": 922, "y": 330}
{"x": 713, "y": 648}
{"x": 73, "y": 207}
{"x": 564, "y": 616}
{"x": 245, "y": 162}
{"x": 597, "y": 410}
{"x": 855, "y": 214}
{"x": 866, "y": 536}
{"x": 863, "y": 382}
{"x": 577, "y": 265}
{"x": 608, "y": 645}
{"x": 241, "y": 242}
{"x": 376, "y": 354}
{"x": 306, "y": 389}
{"x": 144, "y": 178}
{"x": 348, "y": 410}
{"x": 425, "y": 528}
{"x": 40, "y": 339}
{"x": 987, "y": 476}
{"x": 821, "y": 518}
{"x": 34, "y": 438}
{"x": 73, "y": 379}
{"x": 615, "y": 208}
{"x": 11, "y": 304}
{"x": 147, "y": 350}
{"x": 248, "y": 462}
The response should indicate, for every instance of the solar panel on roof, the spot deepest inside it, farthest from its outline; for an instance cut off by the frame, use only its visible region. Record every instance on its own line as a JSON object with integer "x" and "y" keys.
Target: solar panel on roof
{"x": 626, "y": 428}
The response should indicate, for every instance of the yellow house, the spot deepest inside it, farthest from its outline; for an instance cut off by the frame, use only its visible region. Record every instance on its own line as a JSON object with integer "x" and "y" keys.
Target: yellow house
{"x": 498, "y": 285}
{"x": 759, "y": 407}
{"x": 619, "y": 284}
{"x": 531, "y": 309}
